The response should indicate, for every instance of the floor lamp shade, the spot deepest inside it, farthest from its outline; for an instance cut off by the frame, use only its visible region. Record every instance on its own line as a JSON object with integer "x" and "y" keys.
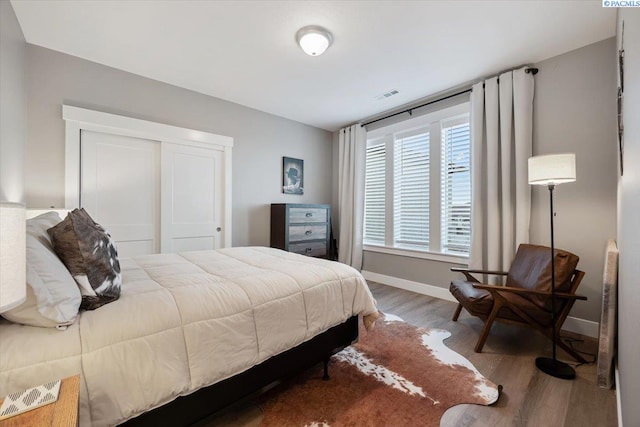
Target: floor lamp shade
{"x": 552, "y": 169}
{"x": 12, "y": 255}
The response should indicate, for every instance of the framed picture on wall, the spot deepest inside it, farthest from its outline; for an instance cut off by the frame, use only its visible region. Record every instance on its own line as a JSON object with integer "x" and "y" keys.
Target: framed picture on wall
{"x": 292, "y": 175}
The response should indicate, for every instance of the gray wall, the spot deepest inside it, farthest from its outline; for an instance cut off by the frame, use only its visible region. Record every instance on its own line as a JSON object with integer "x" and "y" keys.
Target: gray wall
{"x": 574, "y": 110}
{"x": 629, "y": 226}
{"x": 436, "y": 273}
{"x": 260, "y": 139}
{"x": 13, "y": 112}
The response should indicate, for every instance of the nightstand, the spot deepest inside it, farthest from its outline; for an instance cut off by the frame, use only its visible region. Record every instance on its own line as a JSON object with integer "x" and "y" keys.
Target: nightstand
{"x": 61, "y": 413}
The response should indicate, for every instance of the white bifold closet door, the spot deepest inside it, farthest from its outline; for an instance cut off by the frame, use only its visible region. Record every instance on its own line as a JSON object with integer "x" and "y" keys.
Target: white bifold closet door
{"x": 191, "y": 198}
{"x": 120, "y": 189}
{"x": 152, "y": 196}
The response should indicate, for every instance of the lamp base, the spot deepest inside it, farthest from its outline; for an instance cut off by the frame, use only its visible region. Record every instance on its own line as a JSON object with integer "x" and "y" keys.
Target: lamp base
{"x": 555, "y": 368}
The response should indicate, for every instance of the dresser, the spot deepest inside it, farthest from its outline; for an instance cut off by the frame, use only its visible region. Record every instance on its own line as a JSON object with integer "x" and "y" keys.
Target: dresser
{"x": 301, "y": 228}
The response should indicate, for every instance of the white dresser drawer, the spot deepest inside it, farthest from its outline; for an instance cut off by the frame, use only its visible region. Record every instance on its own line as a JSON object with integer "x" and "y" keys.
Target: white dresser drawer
{"x": 298, "y": 233}
{"x": 316, "y": 249}
{"x": 307, "y": 215}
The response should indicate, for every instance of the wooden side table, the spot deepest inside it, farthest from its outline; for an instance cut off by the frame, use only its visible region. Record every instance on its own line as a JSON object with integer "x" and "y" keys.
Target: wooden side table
{"x": 61, "y": 413}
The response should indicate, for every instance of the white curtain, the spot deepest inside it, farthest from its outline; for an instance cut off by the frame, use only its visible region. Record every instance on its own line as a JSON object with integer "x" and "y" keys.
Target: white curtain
{"x": 351, "y": 161}
{"x": 501, "y": 143}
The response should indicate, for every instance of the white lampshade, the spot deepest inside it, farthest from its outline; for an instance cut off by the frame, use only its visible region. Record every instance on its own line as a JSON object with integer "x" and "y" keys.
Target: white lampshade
{"x": 552, "y": 169}
{"x": 13, "y": 288}
{"x": 314, "y": 40}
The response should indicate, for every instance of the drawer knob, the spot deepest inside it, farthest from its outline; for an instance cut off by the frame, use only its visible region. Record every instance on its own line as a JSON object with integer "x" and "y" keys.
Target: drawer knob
{"x": 308, "y": 232}
{"x": 309, "y": 214}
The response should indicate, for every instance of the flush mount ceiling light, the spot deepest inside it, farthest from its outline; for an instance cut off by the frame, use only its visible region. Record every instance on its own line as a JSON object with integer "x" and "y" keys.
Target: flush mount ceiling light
{"x": 314, "y": 40}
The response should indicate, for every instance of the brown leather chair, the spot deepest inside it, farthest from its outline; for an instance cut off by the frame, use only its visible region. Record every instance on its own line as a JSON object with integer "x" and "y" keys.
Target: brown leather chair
{"x": 526, "y": 297}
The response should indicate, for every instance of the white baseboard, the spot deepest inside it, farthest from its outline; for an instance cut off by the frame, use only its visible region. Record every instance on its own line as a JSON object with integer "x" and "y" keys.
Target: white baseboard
{"x": 408, "y": 285}
{"x": 572, "y": 324}
{"x": 580, "y": 326}
{"x": 618, "y": 398}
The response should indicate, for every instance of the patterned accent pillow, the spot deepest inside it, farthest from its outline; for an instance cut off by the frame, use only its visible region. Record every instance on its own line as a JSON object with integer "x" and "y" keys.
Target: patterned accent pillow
{"x": 90, "y": 254}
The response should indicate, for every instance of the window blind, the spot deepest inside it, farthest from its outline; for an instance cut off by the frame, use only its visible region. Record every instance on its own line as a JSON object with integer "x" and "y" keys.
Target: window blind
{"x": 411, "y": 190}
{"x": 374, "y": 196}
{"x": 418, "y": 184}
{"x": 456, "y": 189}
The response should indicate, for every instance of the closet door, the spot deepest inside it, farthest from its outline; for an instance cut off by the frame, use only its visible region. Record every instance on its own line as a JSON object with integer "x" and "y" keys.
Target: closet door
{"x": 192, "y": 200}
{"x": 120, "y": 179}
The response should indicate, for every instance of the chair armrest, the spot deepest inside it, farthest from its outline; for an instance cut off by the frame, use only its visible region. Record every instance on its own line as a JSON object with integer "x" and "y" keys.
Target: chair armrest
{"x": 467, "y": 273}
{"x": 494, "y": 288}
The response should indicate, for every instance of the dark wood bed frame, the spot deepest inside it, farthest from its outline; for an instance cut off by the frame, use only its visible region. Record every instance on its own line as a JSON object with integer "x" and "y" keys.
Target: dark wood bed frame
{"x": 188, "y": 410}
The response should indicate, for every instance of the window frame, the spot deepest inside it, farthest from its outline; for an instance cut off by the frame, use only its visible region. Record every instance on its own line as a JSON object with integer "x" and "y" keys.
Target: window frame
{"x": 433, "y": 122}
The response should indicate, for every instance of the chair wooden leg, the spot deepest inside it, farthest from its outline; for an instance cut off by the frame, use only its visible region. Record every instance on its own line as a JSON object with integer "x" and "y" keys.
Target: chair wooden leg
{"x": 457, "y": 313}
{"x": 487, "y": 326}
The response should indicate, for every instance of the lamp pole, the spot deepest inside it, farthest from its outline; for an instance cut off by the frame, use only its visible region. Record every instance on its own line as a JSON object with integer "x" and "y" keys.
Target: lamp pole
{"x": 553, "y": 366}
{"x": 553, "y": 274}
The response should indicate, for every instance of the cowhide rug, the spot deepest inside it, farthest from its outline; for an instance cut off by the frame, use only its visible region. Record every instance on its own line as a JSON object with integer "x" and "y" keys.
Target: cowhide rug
{"x": 395, "y": 375}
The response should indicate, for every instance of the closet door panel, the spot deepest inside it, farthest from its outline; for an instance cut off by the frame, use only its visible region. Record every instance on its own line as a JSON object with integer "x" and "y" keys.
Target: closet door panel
{"x": 191, "y": 198}
{"x": 120, "y": 179}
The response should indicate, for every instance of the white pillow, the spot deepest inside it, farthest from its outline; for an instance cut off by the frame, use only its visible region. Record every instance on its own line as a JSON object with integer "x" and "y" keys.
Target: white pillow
{"x": 53, "y": 297}
{"x": 38, "y": 226}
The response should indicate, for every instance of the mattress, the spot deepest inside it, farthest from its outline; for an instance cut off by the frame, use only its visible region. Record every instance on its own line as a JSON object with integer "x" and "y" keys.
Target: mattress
{"x": 184, "y": 321}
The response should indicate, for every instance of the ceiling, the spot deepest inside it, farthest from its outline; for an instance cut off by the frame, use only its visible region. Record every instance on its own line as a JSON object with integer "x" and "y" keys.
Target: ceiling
{"x": 245, "y": 51}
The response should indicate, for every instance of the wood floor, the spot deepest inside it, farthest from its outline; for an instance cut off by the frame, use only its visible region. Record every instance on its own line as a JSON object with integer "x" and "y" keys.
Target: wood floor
{"x": 529, "y": 397}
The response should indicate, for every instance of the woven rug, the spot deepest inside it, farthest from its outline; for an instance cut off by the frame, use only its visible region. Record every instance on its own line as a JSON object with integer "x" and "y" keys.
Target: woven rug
{"x": 395, "y": 375}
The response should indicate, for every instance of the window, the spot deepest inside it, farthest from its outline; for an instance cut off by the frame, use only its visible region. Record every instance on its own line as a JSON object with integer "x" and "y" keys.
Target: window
{"x": 411, "y": 190}
{"x": 418, "y": 184}
{"x": 374, "y": 198}
{"x": 456, "y": 188}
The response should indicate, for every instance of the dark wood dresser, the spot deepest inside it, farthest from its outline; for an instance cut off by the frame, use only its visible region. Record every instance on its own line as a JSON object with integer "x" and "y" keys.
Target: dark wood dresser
{"x": 301, "y": 228}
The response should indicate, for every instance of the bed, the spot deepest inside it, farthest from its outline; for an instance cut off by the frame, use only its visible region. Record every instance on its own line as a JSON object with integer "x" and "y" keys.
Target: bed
{"x": 192, "y": 332}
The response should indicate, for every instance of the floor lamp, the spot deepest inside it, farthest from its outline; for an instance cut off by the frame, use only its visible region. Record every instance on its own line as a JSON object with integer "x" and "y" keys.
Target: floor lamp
{"x": 551, "y": 170}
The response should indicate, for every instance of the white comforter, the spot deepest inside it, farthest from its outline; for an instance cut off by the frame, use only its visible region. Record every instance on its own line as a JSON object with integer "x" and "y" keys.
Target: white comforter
{"x": 184, "y": 321}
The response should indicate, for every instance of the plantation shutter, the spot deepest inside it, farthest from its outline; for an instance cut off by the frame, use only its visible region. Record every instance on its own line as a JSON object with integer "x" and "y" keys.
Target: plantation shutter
{"x": 411, "y": 190}
{"x": 456, "y": 188}
{"x": 374, "y": 196}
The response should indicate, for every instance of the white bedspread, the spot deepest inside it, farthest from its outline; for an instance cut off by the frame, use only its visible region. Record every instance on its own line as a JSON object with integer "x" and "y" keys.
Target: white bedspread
{"x": 184, "y": 321}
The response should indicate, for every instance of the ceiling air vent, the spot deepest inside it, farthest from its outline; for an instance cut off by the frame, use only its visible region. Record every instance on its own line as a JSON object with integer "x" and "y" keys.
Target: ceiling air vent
{"x": 387, "y": 95}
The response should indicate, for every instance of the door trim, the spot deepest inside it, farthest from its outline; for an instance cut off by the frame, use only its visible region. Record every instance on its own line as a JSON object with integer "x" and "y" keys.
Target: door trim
{"x": 78, "y": 119}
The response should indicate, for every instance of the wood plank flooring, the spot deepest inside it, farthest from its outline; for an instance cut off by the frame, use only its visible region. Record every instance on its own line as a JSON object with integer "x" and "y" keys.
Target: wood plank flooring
{"x": 529, "y": 397}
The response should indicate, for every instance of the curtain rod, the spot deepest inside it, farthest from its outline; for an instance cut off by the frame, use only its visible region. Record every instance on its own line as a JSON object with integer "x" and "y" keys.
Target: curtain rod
{"x": 533, "y": 71}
